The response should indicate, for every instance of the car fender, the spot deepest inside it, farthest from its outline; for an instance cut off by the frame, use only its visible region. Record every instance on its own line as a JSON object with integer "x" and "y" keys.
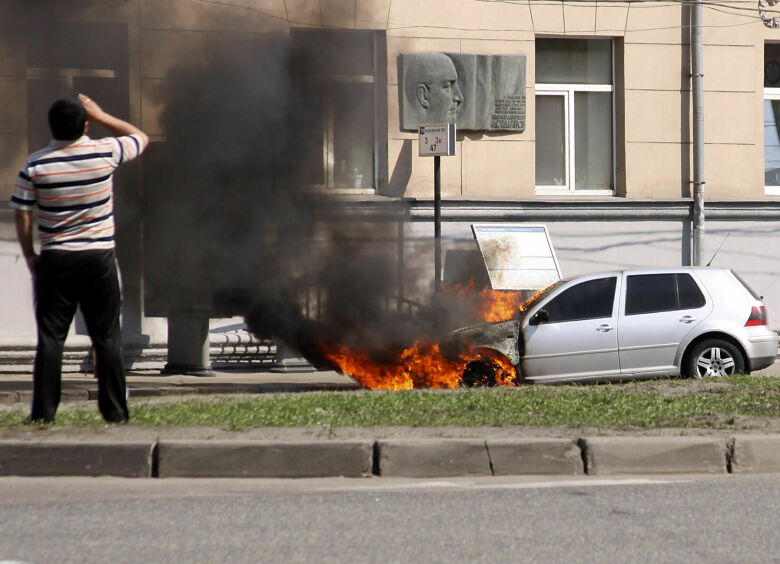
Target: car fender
{"x": 501, "y": 336}
{"x": 712, "y": 330}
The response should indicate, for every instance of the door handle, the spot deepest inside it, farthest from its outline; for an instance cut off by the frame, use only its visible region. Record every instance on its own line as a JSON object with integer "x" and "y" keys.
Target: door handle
{"x": 604, "y": 328}
{"x": 687, "y": 319}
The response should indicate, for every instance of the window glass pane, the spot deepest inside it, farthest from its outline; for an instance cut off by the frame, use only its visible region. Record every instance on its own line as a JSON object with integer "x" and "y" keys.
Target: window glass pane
{"x": 771, "y": 65}
{"x": 550, "y": 141}
{"x": 353, "y": 135}
{"x": 310, "y": 147}
{"x": 593, "y": 140}
{"x": 690, "y": 295}
{"x": 650, "y": 292}
{"x": 771, "y": 143}
{"x": 587, "y": 300}
{"x": 574, "y": 61}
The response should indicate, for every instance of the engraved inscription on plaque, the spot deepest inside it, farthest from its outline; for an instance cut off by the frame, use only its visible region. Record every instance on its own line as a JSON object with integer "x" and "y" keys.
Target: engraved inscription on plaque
{"x": 508, "y": 113}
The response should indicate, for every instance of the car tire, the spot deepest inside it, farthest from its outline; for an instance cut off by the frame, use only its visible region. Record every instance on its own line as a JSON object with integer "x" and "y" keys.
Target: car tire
{"x": 714, "y": 358}
{"x": 479, "y": 372}
{"x": 482, "y": 372}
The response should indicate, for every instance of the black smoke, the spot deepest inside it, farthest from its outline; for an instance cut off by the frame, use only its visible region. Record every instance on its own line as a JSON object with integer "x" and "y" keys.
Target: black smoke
{"x": 233, "y": 227}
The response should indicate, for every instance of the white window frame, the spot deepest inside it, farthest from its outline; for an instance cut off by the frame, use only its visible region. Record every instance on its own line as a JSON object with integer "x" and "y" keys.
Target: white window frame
{"x": 769, "y": 94}
{"x": 568, "y": 91}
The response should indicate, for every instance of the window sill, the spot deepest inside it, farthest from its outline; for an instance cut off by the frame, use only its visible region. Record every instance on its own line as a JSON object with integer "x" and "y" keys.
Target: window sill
{"x": 544, "y": 191}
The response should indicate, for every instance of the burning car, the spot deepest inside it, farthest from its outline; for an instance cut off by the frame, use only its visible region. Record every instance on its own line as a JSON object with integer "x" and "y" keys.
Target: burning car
{"x": 696, "y": 322}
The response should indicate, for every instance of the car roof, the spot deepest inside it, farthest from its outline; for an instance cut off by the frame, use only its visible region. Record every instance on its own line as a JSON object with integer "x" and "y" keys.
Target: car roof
{"x": 648, "y": 270}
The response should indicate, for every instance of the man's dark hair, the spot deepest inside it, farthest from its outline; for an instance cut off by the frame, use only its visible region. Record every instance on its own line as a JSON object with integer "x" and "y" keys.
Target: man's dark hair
{"x": 67, "y": 118}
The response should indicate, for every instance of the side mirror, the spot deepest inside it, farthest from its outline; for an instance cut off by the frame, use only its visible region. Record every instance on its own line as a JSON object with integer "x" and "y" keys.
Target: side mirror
{"x": 539, "y": 317}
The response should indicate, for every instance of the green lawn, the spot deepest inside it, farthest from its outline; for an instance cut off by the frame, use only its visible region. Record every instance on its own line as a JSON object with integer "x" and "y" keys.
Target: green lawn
{"x": 713, "y": 404}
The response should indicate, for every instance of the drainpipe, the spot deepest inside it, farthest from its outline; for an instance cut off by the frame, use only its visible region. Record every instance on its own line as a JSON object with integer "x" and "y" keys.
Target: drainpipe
{"x": 698, "y": 134}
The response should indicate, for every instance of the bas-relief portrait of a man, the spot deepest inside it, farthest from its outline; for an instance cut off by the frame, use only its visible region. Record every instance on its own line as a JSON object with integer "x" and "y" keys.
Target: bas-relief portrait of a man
{"x": 431, "y": 88}
{"x": 430, "y": 84}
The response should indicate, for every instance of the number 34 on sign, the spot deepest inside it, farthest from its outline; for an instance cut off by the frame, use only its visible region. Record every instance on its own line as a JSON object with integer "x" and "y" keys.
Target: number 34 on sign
{"x": 437, "y": 140}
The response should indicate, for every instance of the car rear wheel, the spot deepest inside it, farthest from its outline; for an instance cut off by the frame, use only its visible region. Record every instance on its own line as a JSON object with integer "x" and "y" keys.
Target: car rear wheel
{"x": 714, "y": 358}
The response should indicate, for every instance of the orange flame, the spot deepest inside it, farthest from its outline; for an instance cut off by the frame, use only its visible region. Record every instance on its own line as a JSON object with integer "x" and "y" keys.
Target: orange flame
{"x": 492, "y": 305}
{"x": 423, "y": 365}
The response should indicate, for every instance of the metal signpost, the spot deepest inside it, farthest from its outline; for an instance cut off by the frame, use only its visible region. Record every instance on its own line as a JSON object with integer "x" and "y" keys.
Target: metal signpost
{"x": 434, "y": 141}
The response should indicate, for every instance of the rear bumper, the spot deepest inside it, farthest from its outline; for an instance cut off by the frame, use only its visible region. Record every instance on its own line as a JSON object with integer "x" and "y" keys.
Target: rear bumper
{"x": 762, "y": 351}
{"x": 762, "y": 362}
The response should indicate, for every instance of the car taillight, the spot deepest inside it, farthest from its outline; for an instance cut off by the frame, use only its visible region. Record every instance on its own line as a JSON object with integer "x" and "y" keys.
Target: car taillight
{"x": 757, "y": 316}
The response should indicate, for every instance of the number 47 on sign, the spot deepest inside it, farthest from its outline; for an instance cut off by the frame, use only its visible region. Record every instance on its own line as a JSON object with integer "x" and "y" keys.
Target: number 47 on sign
{"x": 437, "y": 140}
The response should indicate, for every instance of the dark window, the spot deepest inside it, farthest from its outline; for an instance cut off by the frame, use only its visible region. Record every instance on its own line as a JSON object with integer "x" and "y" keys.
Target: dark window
{"x": 688, "y": 292}
{"x": 338, "y": 86}
{"x": 587, "y": 300}
{"x": 648, "y": 293}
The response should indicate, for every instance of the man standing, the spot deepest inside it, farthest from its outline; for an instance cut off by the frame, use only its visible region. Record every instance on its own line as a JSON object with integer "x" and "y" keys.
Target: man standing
{"x": 71, "y": 182}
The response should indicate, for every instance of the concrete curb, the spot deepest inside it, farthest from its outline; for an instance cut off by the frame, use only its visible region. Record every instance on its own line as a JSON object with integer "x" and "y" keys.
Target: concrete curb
{"x": 423, "y": 458}
{"x": 127, "y": 460}
{"x": 756, "y": 453}
{"x": 260, "y": 459}
{"x": 535, "y": 456}
{"x": 416, "y": 458}
{"x": 651, "y": 455}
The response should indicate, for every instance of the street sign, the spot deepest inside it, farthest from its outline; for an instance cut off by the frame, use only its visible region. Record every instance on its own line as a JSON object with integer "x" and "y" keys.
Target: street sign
{"x": 437, "y": 140}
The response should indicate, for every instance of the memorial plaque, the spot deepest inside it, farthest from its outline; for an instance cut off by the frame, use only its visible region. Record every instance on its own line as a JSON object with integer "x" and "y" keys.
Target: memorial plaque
{"x": 476, "y": 92}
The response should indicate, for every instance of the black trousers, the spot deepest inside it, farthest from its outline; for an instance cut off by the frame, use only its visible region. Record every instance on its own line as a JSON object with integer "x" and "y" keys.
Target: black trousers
{"x": 63, "y": 280}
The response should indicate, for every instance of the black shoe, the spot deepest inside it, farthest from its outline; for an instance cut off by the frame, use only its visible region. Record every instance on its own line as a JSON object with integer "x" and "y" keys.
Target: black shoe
{"x": 38, "y": 420}
{"x": 121, "y": 421}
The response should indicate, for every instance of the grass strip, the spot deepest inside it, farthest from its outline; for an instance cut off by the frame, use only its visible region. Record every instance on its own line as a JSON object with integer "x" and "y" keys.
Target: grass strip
{"x": 642, "y": 405}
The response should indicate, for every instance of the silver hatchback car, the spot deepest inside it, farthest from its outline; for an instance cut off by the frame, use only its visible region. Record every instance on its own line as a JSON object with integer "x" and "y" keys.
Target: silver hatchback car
{"x": 698, "y": 322}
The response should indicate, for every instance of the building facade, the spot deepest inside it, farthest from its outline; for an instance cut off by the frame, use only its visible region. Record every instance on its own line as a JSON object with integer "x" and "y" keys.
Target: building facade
{"x": 603, "y": 156}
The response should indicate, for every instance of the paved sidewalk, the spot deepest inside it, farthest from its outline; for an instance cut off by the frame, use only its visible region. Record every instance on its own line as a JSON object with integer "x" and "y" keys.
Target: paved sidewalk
{"x": 78, "y": 386}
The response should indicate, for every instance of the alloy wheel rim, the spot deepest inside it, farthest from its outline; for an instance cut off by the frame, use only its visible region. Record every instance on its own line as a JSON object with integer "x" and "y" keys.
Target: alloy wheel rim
{"x": 715, "y": 362}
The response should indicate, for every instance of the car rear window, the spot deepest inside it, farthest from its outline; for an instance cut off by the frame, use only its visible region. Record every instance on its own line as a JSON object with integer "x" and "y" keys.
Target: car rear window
{"x": 650, "y": 293}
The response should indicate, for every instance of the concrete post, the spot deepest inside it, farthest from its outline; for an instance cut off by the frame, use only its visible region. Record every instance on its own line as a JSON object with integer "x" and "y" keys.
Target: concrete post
{"x": 188, "y": 345}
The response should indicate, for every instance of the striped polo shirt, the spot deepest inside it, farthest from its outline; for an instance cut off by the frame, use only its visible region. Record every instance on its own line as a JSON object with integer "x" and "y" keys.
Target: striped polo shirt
{"x": 71, "y": 182}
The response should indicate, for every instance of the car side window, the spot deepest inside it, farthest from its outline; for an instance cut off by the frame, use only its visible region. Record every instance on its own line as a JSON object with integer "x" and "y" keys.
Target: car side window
{"x": 688, "y": 292}
{"x": 650, "y": 293}
{"x": 592, "y": 299}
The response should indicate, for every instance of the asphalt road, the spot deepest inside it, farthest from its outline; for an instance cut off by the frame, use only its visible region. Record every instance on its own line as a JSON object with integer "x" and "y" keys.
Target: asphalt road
{"x": 674, "y": 519}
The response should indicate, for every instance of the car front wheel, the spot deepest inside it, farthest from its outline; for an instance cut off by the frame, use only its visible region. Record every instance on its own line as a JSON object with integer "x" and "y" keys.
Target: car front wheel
{"x": 714, "y": 358}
